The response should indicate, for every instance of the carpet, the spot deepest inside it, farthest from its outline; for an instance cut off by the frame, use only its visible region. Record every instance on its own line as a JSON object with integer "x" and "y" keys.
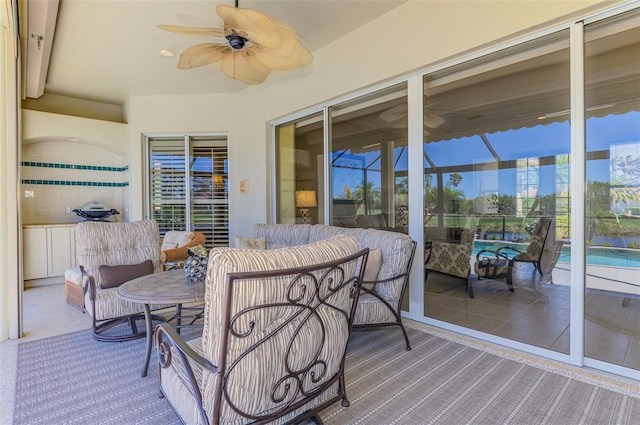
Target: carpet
{"x": 73, "y": 379}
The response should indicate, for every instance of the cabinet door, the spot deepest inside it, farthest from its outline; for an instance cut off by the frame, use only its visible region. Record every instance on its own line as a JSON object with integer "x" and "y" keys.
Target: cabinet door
{"x": 35, "y": 255}
{"x": 72, "y": 248}
{"x": 60, "y": 243}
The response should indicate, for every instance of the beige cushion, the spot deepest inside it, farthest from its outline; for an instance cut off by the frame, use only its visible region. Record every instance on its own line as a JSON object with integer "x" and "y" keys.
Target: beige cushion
{"x": 113, "y": 276}
{"x": 374, "y": 261}
{"x": 73, "y": 276}
{"x": 175, "y": 238}
{"x": 250, "y": 386}
{"x": 251, "y": 243}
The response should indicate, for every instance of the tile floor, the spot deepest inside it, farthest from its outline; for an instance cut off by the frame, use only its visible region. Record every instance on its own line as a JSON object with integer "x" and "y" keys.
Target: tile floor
{"x": 538, "y": 314}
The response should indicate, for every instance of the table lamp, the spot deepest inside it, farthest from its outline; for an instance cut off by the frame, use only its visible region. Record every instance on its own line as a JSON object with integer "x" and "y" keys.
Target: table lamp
{"x": 305, "y": 199}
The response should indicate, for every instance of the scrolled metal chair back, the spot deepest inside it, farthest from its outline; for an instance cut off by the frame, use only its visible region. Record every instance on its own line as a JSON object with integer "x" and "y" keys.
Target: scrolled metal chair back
{"x": 288, "y": 344}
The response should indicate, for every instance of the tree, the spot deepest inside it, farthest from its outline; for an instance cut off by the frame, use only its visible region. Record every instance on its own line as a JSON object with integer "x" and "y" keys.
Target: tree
{"x": 503, "y": 204}
{"x": 369, "y": 195}
{"x": 455, "y": 179}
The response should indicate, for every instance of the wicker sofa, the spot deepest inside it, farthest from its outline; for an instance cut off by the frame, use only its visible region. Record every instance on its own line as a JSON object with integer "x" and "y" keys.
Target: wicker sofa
{"x": 380, "y": 302}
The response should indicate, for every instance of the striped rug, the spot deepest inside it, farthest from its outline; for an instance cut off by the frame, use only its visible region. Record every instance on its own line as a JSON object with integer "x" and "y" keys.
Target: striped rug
{"x": 73, "y": 379}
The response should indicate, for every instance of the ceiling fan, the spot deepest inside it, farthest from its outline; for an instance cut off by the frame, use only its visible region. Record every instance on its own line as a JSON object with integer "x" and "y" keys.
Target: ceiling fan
{"x": 251, "y": 46}
{"x": 400, "y": 111}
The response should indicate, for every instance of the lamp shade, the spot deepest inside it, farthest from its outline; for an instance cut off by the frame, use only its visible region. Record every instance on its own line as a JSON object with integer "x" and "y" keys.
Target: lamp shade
{"x": 218, "y": 180}
{"x": 306, "y": 199}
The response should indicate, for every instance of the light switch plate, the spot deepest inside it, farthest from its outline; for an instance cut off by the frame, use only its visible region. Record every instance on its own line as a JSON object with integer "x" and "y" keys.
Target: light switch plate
{"x": 244, "y": 186}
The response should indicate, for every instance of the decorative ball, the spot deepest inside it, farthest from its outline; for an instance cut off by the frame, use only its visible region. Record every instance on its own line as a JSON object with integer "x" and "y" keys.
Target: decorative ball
{"x": 195, "y": 269}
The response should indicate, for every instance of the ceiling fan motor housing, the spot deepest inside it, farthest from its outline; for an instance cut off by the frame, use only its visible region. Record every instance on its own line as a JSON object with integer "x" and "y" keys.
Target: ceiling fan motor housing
{"x": 236, "y": 41}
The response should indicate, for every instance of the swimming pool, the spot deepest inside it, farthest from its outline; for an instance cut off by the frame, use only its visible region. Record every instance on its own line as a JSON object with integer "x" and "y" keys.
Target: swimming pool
{"x": 596, "y": 255}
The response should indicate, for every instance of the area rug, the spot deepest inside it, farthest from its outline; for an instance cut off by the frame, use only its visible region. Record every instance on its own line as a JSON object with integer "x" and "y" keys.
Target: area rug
{"x": 73, "y": 379}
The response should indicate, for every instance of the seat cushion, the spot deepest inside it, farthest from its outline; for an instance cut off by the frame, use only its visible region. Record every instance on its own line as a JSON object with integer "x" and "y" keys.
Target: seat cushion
{"x": 175, "y": 238}
{"x": 176, "y": 387}
{"x": 250, "y": 243}
{"x": 250, "y": 373}
{"x": 371, "y": 310}
{"x": 374, "y": 261}
{"x": 109, "y": 305}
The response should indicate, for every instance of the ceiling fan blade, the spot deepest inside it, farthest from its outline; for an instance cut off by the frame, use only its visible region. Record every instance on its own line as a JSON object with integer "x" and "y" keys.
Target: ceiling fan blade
{"x": 202, "y": 54}
{"x": 432, "y": 120}
{"x": 292, "y": 54}
{"x": 243, "y": 66}
{"x": 394, "y": 113}
{"x": 400, "y": 111}
{"x": 202, "y": 31}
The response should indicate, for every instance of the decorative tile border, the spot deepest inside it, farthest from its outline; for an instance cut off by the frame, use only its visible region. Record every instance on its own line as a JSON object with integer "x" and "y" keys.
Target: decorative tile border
{"x": 73, "y": 166}
{"x": 73, "y": 183}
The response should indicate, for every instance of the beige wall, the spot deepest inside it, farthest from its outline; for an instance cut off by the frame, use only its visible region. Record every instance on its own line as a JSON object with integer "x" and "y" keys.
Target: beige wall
{"x": 46, "y": 140}
{"x": 414, "y": 35}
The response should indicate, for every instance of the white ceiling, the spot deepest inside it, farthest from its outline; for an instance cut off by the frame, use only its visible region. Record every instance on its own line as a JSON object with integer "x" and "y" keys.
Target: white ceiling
{"x": 108, "y": 50}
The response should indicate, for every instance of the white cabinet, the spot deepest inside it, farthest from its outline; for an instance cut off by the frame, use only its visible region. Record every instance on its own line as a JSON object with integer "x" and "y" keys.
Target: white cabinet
{"x": 34, "y": 255}
{"x": 48, "y": 250}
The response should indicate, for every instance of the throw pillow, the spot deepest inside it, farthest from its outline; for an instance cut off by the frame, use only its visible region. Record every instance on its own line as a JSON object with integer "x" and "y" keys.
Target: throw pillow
{"x": 113, "y": 276}
{"x": 175, "y": 238}
{"x": 251, "y": 243}
{"x": 374, "y": 262}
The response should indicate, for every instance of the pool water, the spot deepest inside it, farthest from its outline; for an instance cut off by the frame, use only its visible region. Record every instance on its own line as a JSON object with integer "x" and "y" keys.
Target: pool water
{"x": 596, "y": 255}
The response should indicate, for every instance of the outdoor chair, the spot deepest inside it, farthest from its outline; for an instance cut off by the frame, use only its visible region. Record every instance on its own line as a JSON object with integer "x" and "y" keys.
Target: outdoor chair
{"x": 534, "y": 251}
{"x": 451, "y": 258}
{"x": 276, "y": 327}
{"x": 174, "y": 247}
{"x": 109, "y": 254}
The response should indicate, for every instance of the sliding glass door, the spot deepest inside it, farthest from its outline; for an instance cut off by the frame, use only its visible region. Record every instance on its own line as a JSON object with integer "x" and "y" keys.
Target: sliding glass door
{"x": 502, "y": 159}
{"x": 496, "y": 157}
{"x": 612, "y": 216}
{"x": 368, "y": 161}
{"x": 188, "y": 185}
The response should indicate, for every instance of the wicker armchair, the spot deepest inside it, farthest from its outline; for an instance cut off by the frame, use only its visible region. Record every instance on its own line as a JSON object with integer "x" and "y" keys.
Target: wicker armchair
{"x": 276, "y": 328}
{"x": 170, "y": 257}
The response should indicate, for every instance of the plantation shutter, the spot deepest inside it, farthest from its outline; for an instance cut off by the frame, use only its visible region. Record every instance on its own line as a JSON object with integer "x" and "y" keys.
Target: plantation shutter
{"x": 188, "y": 185}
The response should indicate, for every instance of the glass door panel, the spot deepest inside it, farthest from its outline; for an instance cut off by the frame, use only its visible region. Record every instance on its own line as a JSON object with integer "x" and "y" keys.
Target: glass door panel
{"x": 188, "y": 185}
{"x": 496, "y": 165}
{"x": 369, "y": 161}
{"x": 209, "y": 190}
{"x": 612, "y": 216}
{"x": 299, "y": 169}
{"x": 167, "y": 184}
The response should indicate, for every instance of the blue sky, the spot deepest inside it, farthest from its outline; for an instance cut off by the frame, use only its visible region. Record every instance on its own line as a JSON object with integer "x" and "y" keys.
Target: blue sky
{"x": 527, "y": 142}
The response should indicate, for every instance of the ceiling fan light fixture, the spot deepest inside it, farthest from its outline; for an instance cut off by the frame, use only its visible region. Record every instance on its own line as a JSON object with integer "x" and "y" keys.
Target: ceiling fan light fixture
{"x": 236, "y": 41}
